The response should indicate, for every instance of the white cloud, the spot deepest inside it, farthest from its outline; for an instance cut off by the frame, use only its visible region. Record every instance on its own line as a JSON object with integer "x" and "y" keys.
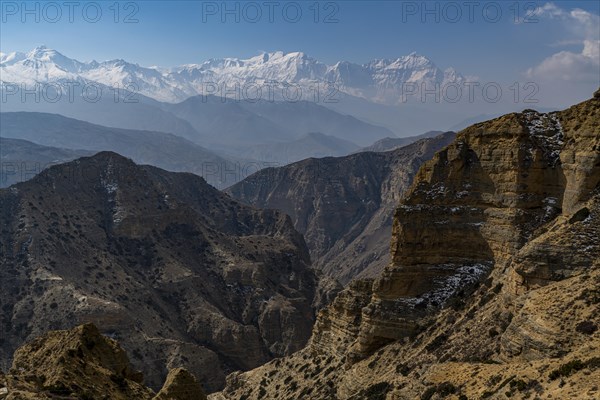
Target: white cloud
{"x": 580, "y": 22}
{"x": 568, "y": 65}
{"x": 591, "y": 49}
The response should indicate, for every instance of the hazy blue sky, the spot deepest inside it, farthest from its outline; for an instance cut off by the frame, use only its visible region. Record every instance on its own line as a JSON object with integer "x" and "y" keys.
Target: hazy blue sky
{"x": 172, "y": 33}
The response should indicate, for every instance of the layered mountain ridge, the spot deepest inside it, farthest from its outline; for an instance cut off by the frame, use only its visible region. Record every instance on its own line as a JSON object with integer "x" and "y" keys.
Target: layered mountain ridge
{"x": 145, "y": 147}
{"x": 343, "y": 206}
{"x": 391, "y": 143}
{"x": 176, "y": 271}
{"x": 22, "y": 159}
{"x": 379, "y": 80}
{"x": 237, "y": 123}
{"x": 311, "y": 145}
{"x": 492, "y": 288}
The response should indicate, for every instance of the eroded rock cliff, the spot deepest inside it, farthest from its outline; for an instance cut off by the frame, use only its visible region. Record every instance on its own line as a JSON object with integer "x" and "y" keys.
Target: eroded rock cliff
{"x": 492, "y": 291}
{"x": 344, "y": 206}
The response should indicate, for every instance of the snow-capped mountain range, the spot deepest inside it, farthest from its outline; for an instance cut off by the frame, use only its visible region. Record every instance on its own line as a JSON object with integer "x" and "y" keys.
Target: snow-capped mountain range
{"x": 379, "y": 81}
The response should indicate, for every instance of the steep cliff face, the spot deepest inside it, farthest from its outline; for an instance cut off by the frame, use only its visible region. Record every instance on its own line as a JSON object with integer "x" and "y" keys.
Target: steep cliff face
{"x": 492, "y": 288}
{"x": 177, "y": 271}
{"x": 343, "y": 206}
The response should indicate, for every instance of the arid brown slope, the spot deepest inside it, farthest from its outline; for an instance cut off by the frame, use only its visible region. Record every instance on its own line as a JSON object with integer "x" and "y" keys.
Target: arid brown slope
{"x": 180, "y": 385}
{"x": 178, "y": 272}
{"x": 83, "y": 364}
{"x": 343, "y": 206}
{"x": 493, "y": 287}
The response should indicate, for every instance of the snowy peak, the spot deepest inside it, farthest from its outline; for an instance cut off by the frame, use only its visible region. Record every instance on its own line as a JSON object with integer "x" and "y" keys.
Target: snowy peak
{"x": 382, "y": 80}
{"x": 277, "y": 66}
{"x": 43, "y": 56}
{"x": 413, "y": 60}
{"x": 41, "y": 52}
{"x": 39, "y": 65}
{"x": 277, "y": 56}
{"x": 11, "y": 58}
{"x": 379, "y": 80}
{"x": 409, "y": 68}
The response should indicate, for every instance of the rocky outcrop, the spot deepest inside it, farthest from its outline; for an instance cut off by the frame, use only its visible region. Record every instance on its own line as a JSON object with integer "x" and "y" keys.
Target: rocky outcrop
{"x": 492, "y": 289}
{"x": 179, "y": 273}
{"x": 81, "y": 363}
{"x": 180, "y": 385}
{"x": 343, "y": 206}
{"x": 476, "y": 204}
{"x": 338, "y": 325}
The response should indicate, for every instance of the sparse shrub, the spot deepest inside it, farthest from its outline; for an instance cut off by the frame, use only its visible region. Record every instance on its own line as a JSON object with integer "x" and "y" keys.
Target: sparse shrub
{"x": 586, "y": 327}
{"x": 593, "y": 363}
{"x": 377, "y": 391}
{"x": 567, "y": 369}
{"x": 446, "y": 389}
{"x": 443, "y": 390}
{"x": 494, "y": 380}
{"x": 329, "y": 370}
{"x": 428, "y": 393}
{"x": 519, "y": 384}
{"x": 485, "y": 299}
{"x": 119, "y": 380}
{"x": 590, "y": 296}
{"x": 437, "y": 342}
{"x": 402, "y": 369}
{"x": 488, "y": 361}
{"x": 59, "y": 389}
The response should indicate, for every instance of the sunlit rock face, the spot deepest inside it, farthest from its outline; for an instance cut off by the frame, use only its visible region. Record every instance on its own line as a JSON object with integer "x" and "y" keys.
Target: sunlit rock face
{"x": 493, "y": 285}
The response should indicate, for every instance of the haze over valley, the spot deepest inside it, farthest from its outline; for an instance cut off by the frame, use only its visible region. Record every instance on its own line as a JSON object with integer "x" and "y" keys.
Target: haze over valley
{"x": 299, "y": 200}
